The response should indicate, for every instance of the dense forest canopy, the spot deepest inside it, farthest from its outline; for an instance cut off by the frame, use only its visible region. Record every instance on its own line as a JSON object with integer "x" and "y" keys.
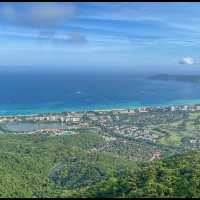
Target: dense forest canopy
{"x": 55, "y": 166}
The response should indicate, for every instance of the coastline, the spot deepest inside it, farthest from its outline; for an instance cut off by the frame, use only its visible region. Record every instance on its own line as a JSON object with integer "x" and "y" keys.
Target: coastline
{"x": 95, "y": 108}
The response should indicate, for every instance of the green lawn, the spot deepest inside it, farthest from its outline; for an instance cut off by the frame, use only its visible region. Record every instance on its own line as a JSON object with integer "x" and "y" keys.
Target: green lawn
{"x": 171, "y": 139}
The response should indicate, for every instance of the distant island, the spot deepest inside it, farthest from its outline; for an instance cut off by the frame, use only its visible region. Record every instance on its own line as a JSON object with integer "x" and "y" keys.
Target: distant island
{"x": 184, "y": 78}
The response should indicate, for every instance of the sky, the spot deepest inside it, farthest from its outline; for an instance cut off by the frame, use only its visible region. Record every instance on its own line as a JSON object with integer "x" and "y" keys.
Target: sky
{"x": 100, "y": 36}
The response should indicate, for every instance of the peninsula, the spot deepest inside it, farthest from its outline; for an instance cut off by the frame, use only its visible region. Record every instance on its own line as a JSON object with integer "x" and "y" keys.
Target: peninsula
{"x": 183, "y": 78}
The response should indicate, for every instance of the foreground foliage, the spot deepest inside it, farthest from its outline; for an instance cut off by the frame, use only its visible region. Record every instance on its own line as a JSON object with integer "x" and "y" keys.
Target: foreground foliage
{"x": 63, "y": 166}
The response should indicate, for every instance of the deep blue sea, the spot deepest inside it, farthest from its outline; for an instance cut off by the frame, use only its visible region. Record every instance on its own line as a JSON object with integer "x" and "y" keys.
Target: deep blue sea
{"x": 31, "y": 93}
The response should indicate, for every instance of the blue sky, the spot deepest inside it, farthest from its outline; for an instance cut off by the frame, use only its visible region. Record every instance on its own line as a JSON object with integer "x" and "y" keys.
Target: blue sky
{"x": 100, "y": 36}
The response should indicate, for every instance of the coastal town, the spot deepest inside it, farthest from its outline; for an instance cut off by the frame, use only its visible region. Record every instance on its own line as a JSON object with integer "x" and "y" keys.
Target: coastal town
{"x": 137, "y": 133}
{"x": 104, "y": 115}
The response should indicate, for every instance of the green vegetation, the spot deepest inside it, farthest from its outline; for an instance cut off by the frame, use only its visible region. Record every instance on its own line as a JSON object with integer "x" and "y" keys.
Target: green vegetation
{"x": 62, "y": 166}
{"x": 171, "y": 139}
{"x": 47, "y": 166}
{"x": 176, "y": 176}
{"x": 113, "y": 158}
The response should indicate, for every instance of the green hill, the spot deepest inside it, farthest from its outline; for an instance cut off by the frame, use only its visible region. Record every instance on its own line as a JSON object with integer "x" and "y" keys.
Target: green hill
{"x": 56, "y": 166}
{"x": 176, "y": 176}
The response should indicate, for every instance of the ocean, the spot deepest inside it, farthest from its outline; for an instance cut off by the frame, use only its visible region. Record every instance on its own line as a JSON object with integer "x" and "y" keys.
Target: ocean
{"x": 33, "y": 93}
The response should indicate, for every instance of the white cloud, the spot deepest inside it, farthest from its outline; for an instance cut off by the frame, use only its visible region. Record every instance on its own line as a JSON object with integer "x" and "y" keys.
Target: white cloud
{"x": 187, "y": 61}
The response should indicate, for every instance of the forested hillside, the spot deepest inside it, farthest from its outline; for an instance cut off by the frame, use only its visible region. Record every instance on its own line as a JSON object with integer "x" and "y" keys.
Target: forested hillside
{"x": 57, "y": 166}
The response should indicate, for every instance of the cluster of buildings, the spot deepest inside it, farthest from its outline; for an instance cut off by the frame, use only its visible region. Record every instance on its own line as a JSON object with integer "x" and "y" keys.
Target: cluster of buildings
{"x": 103, "y": 116}
{"x": 53, "y": 132}
{"x": 49, "y": 131}
{"x": 135, "y": 132}
{"x": 63, "y": 117}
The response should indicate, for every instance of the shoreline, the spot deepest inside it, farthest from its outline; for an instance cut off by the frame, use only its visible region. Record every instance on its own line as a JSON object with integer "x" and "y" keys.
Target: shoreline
{"x": 104, "y": 109}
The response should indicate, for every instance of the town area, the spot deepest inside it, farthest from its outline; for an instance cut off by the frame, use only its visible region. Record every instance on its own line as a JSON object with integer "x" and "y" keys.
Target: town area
{"x": 145, "y": 133}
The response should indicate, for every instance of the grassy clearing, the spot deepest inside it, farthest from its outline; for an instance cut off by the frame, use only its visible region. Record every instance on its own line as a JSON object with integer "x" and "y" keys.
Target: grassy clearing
{"x": 171, "y": 139}
{"x": 193, "y": 115}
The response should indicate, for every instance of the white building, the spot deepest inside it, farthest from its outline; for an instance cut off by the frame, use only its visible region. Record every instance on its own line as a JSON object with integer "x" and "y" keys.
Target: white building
{"x": 75, "y": 119}
{"x": 67, "y": 119}
{"x": 197, "y": 107}
{"x": 173, "y": 108}
{"x": 185, "y": 107}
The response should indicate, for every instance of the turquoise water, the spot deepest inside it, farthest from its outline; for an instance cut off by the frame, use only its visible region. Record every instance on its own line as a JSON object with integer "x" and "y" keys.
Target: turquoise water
{"x": 26, "y": 111}
{"x": 40, "y": 93}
